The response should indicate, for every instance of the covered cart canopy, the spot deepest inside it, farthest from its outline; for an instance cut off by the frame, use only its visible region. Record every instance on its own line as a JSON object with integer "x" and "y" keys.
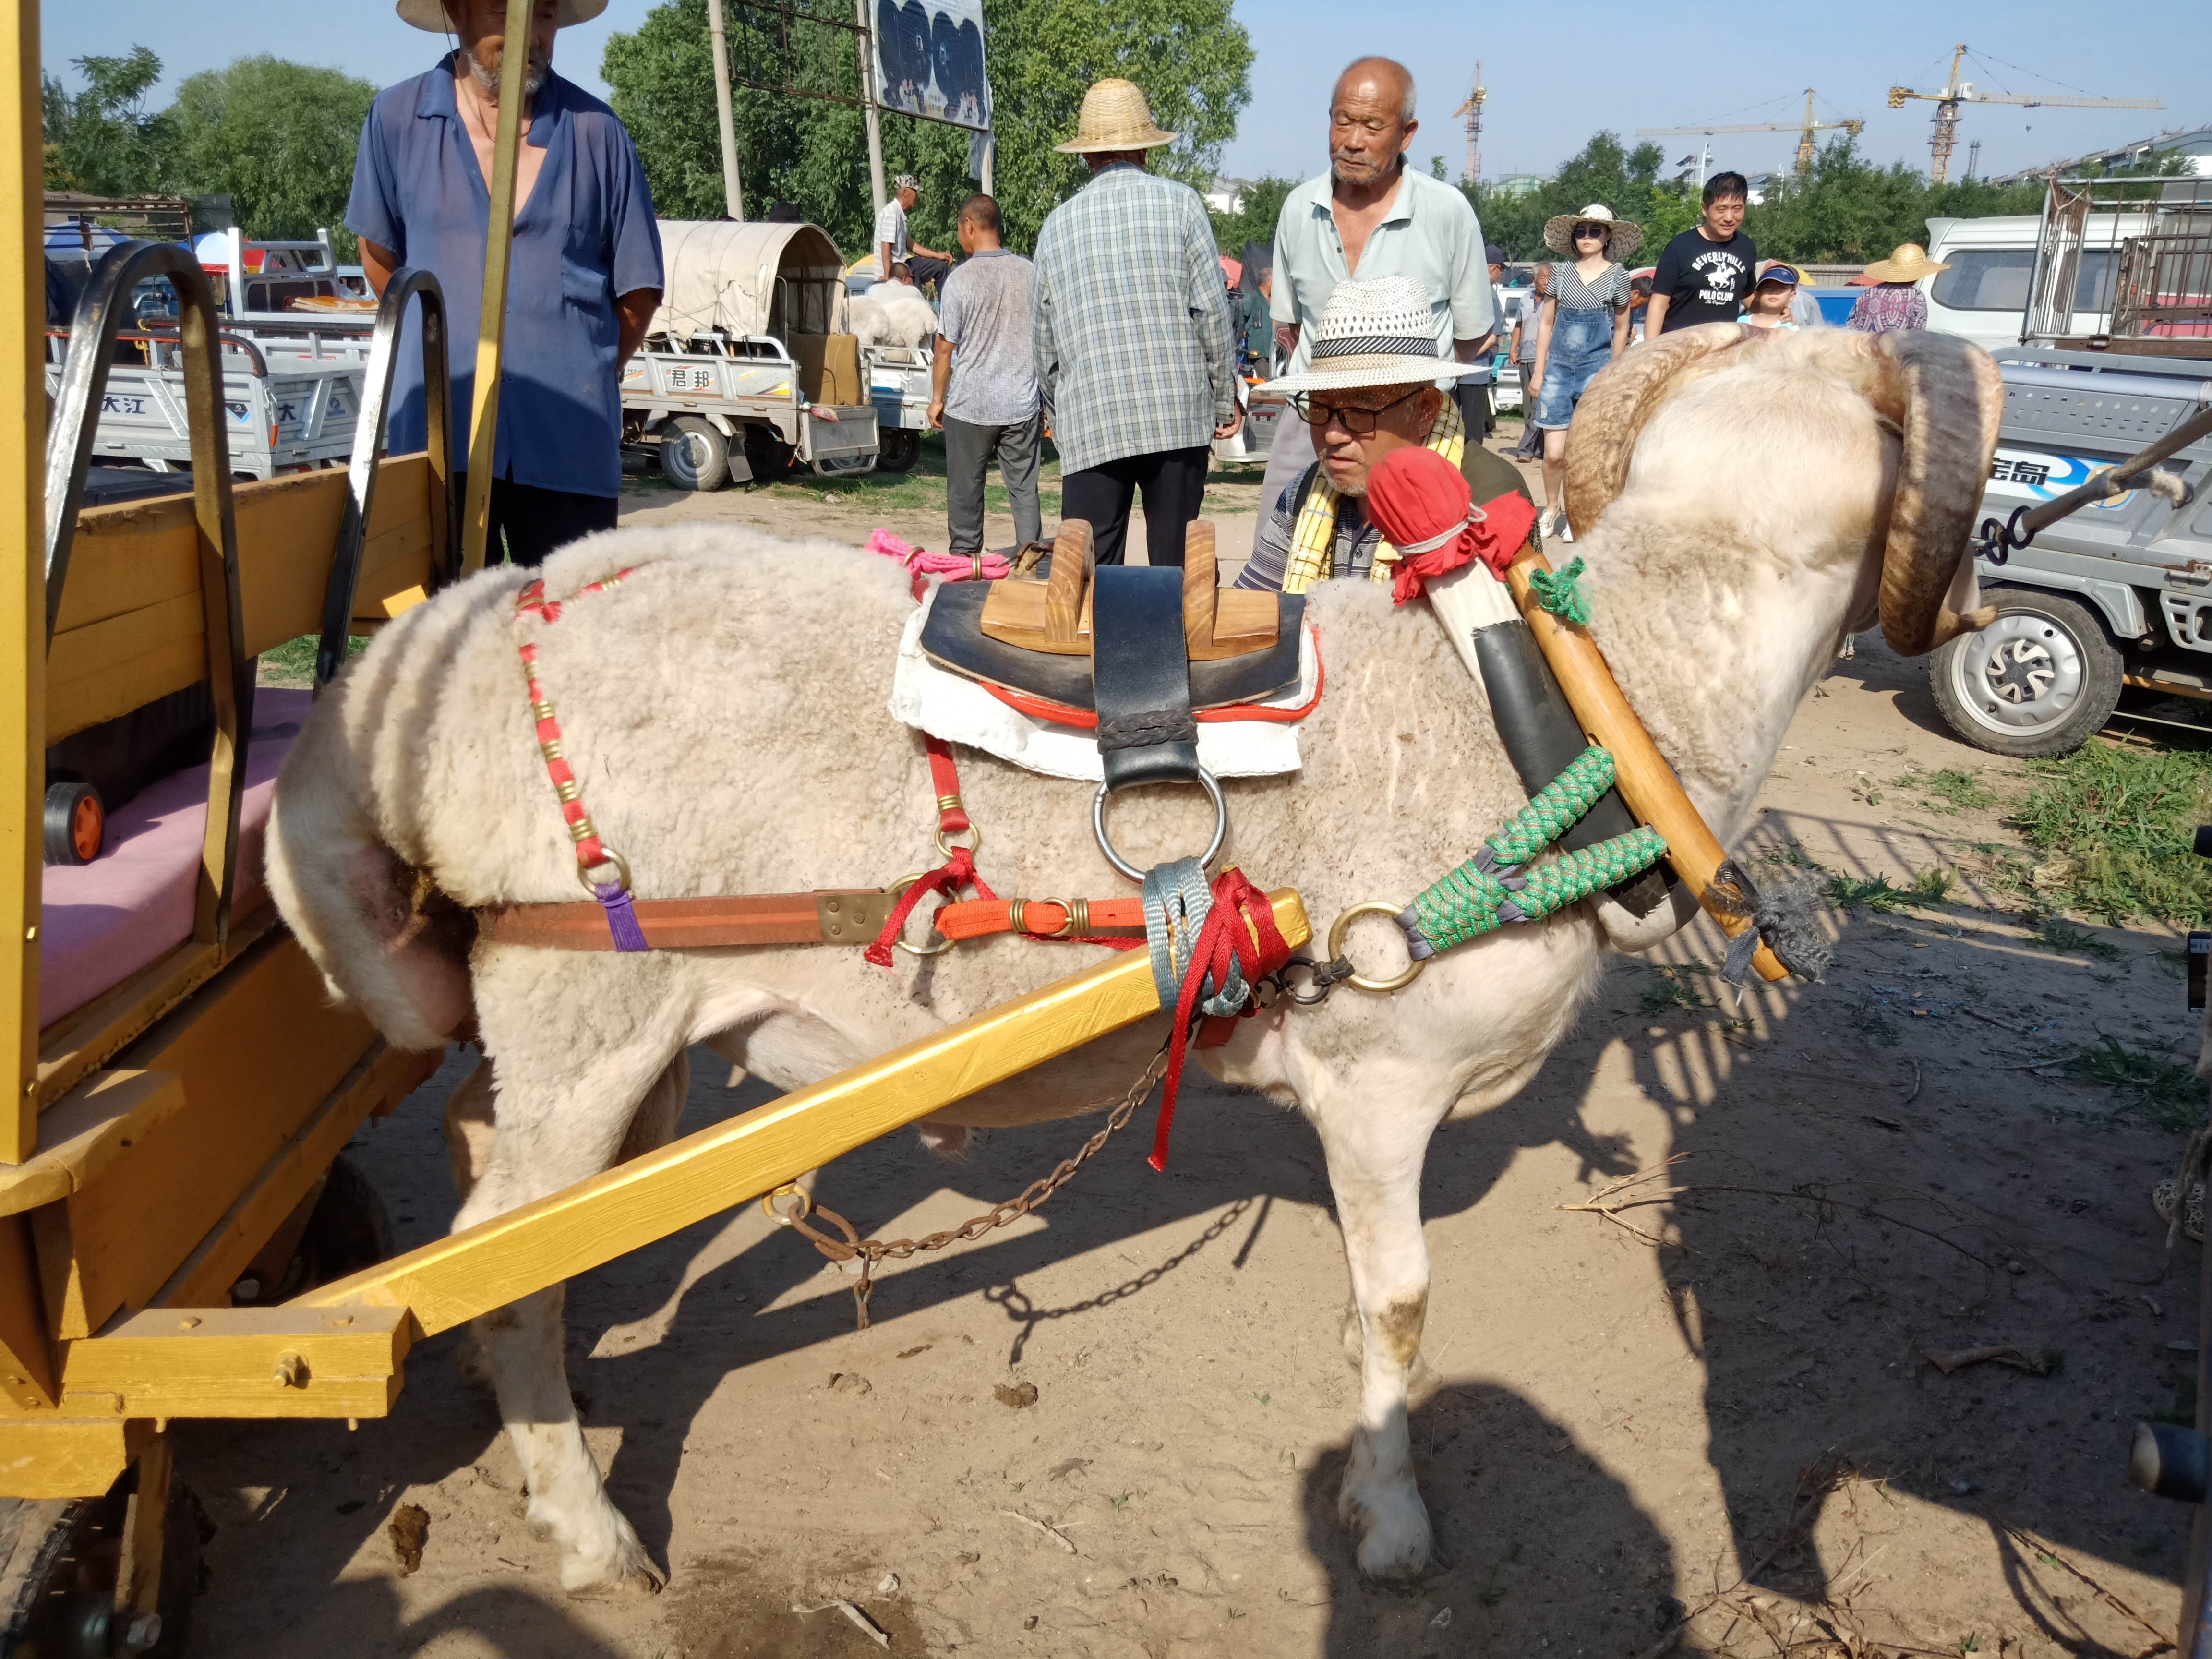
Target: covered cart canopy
{"x": 747, "y": 278}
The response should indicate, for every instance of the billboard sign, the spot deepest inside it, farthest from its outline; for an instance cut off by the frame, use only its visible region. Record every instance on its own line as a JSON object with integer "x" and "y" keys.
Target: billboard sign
{"x": 929, "y": 60}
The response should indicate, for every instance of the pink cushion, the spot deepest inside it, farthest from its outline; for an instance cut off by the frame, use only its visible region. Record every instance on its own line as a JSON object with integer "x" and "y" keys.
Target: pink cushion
{"x": 107, "y": 920}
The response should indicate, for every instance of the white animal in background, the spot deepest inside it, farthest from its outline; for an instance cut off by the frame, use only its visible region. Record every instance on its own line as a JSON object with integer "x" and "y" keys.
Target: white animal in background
{"x": 865, "y": 321}
{"x": 719, "y": 759}
{"x": 913, "y": 322}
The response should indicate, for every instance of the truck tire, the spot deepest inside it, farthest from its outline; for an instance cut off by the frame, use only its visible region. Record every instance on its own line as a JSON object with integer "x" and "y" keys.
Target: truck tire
{"x": 694, "y": 455}
{"x": 75, "y": 823}
{"x": 897, "y": 450}
{"x": 2036, "y": 682}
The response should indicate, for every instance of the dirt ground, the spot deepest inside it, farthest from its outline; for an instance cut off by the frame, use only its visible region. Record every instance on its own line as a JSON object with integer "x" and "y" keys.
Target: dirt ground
{"x": 1739, "y": 1423}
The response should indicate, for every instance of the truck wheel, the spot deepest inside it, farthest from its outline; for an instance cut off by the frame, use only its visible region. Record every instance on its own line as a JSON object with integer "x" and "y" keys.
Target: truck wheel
{"x": 2036, "y": 682}
{"x": 76, "y": 822}
{"x": 694, "y": 455}
{"x": 897, "y": 450}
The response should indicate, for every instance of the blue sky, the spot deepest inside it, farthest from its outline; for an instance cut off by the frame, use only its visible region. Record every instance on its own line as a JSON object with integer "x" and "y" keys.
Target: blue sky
{"x": 1554, "y": 76}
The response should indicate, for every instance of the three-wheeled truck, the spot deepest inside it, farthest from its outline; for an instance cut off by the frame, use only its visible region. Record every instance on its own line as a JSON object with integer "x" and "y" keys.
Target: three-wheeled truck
{"x": 747, "y": 368}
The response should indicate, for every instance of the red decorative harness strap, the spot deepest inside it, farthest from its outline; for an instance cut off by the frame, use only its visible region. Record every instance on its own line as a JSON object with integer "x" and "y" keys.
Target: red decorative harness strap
{"x": 592, "y": 851}
{"x": 958, "y": 869}
{"x": 1240, "y": 928}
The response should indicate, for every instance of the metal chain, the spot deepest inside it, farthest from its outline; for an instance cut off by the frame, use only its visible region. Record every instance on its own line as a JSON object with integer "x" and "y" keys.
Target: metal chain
{"x": 872, "y": 1251}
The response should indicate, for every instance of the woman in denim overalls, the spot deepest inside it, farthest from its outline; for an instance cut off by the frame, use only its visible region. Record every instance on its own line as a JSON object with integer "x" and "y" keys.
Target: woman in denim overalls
{"x": 1584, "y": 327}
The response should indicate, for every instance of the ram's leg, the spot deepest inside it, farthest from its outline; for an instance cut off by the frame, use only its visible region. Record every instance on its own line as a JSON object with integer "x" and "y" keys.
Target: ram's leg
{"x": 1374, "y": 1153}
{"x": 588, "y": 1059}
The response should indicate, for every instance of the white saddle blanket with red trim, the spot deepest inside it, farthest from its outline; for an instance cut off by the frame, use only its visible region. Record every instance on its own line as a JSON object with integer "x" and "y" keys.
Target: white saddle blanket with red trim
{"x": 952, "y": 706}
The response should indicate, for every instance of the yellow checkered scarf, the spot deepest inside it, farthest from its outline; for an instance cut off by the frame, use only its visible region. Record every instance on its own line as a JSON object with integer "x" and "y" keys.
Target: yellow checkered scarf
{"x": 1313, "y": 538}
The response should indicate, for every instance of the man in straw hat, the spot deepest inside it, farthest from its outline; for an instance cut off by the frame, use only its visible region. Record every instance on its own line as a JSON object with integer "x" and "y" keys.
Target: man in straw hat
{"x": 1895, "y": 302}
{"x": 1370, "y": 387}
{"x": 1369, "y": 216}
{"x": 1136, "y": 352}
{"x": 583, "y": 281}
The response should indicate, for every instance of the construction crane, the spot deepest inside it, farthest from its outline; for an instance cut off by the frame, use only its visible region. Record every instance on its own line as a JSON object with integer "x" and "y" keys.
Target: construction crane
{"x": 1473, "y": 110}
{"x": 1956, "y": 91}
{"x": 1804, "y": 129}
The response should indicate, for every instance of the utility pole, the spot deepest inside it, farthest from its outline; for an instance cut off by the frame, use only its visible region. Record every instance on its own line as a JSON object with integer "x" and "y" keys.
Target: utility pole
{"x": 1973, "y": 158}
{"x": 868, "y": 114}
{"x": 990, "y": 155}
{"x": 734, "y": 193}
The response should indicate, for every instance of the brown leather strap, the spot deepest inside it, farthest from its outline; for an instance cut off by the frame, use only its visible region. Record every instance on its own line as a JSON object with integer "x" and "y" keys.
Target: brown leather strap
{"x": 836, "y": 915}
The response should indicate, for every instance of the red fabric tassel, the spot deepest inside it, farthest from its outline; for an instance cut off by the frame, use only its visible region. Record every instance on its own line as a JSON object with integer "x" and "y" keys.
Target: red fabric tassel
{"x": 1224, "y": 937}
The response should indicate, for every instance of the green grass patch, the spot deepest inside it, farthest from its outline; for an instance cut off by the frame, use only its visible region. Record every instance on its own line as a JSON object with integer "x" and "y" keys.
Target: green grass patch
{"x": 1933, "y": 885}
{"x": 292, "y": 664}
{"x": 1676, "y": 988}
{"x": 1948, "y": 791}
{"x": 2115, "y": 827}
{"x": 2058, "y": 934}
{"x": 1865, "y": 893}
{"x": 2170, "y": 1093}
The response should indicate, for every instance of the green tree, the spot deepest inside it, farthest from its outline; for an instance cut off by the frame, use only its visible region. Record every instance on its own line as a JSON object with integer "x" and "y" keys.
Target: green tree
{"x": 1604, "y": 172}
{"x": 1849, "y": 211}
{"x": 278, "y": 138}
{"x": 102, "y": 140}
{"x": 1263, "y": 206}
{"x": 1191, "y": 57}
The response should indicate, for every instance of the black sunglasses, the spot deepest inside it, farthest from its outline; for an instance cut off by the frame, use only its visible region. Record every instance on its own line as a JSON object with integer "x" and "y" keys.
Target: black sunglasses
{"x": 1359, "y": 421}
{"x": 1601, "y": 232}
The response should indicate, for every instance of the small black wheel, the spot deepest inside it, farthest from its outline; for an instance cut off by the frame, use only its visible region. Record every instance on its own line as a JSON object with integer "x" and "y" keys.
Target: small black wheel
{"x": 694, "y": 455}
{"x": 76, "y": 823}
{"x": 58, "y": 1562}
{"x": 897, "y": 450}
{"x": 349, "y": 1228}
{"x": 2037, "y": 681}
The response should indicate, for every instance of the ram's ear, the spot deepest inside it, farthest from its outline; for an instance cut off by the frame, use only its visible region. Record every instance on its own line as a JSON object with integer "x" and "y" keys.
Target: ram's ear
{"x": 1620, "y": 400}
{"x": 1947, "y": 398}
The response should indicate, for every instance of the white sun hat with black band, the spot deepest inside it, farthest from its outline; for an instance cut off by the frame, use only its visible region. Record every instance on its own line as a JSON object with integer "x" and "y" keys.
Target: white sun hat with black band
{"x": 1378, "y": 333}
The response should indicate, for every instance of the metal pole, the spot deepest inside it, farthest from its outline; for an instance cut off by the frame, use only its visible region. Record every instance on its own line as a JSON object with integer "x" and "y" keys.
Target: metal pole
{"x": 733, "y": 194}
{"x": 875, "y": 193}
{"x": 990, "y": 157}
{"x": 491, "y": 320}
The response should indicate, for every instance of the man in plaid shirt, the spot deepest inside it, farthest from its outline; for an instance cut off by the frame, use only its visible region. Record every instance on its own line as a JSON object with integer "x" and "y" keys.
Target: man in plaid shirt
{"x": 1135, "y": 347}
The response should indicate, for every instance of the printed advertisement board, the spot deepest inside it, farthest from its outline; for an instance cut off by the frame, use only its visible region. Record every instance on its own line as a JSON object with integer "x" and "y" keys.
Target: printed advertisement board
{"x": 929, "y": 60}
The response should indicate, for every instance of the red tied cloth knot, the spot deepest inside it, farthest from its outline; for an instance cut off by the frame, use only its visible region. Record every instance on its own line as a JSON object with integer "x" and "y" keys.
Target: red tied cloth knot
{"x": 1421, "y": 502}
{"x": 1240, "y": 927}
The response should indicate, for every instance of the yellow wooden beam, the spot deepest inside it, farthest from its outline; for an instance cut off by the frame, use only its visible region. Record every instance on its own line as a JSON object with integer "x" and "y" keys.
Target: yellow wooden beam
{"x": 235, "y": 1362}
{"x": 491, "y": 319}
{"x": 650, "y": 1197}
{"x": 23, "y": 567}
{"x": 67, "y": 1458}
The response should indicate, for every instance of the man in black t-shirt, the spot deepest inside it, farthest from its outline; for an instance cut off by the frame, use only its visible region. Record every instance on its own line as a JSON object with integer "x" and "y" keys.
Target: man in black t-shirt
{"x": 1705, "y": 272}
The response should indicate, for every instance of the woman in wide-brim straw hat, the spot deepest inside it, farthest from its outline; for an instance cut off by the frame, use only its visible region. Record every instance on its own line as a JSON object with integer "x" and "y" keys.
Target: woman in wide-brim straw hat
{"x": 1116, "y": 119}
{"x": 1896, "y": 301}
{"x": 1584, "y": 326}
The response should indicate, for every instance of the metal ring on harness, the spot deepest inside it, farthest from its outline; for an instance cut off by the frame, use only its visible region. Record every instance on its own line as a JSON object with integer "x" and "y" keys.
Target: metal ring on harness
{"x": 799, "y": 1211}
{"x": 607, "y": 855}
{"x": 1342, "y": 927}
{"x": 944, "y": 850}
{"x": 936, "y": 950}
{"x": 1213, "y": 847}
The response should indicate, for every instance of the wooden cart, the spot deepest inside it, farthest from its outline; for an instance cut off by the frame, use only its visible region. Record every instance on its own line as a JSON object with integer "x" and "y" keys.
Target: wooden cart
{"x": 173, "y": 1134}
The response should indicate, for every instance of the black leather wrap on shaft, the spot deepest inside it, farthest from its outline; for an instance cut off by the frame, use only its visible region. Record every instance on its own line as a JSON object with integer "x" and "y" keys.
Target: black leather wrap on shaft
{"x": 1141, "y": 677}
{"x": 1542, "y": 737}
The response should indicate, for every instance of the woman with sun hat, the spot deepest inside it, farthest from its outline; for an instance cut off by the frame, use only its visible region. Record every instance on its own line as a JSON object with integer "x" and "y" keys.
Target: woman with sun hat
{"x": 1584, "y": 327}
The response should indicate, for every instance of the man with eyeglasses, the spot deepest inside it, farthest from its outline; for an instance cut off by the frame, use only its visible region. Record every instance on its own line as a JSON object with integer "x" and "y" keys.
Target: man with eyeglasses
{"x": 1371, "y": 385}
{"x": 1368, "y": 216}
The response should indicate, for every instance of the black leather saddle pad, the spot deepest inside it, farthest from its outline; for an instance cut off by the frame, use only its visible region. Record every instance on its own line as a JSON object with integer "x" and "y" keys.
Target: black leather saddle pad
{"x": 953, "y": 638}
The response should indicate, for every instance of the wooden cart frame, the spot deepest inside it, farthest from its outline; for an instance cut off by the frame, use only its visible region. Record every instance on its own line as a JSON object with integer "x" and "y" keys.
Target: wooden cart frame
{"x": 167, "y": 1135}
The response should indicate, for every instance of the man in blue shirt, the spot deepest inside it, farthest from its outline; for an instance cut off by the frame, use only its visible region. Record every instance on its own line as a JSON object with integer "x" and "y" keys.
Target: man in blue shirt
{"x": 583, "y": 280}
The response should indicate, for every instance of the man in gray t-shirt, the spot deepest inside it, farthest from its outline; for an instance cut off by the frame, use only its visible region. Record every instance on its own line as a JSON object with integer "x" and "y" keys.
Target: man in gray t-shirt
{"x": 985, "y": 386}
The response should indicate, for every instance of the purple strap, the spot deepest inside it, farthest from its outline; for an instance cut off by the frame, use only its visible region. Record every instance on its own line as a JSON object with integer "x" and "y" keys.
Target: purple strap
{"x": 621, "y": 920}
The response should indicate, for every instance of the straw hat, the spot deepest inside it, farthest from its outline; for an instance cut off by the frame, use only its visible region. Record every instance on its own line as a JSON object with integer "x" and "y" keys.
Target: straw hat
{"x": 431, "y": 14}
{"x": 1378, "y": 333}
{"x": 1909, "y": 262}
{"x": 1114, "y": 117}
{"x": 1622, "y": 238}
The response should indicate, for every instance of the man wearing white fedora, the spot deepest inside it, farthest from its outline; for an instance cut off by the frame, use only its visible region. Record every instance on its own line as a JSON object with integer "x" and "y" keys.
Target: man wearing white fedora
{"x": 1136, "y": 352}
{"x": 1370, "y": 387}
{"x": 585, "y": 275}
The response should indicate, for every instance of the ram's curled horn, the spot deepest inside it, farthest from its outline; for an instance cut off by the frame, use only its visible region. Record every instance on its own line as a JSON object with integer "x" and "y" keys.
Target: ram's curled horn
{"x": 1620, "y": 400}
{"x": 1946, "y": 398}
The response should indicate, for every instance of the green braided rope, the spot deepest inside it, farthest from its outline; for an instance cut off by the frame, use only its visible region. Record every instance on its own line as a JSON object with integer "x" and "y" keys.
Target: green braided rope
{"x": 1557, "y": 592}
{"x": 1558, "y": 805}
{"x": 1464, "y": 903}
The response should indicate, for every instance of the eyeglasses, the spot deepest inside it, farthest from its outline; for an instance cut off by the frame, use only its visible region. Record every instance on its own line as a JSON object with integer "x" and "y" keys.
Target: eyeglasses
{"x": 1591, "y": 233}
{"x": 1359, "y": 422}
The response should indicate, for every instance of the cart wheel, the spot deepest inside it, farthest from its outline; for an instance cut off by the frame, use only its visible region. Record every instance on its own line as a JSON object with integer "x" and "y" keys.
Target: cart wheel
{"x": 897, "y": 450}
{"x": 350, "y": 1230}
{"x": 694, "y": 455}
{"x": 76, "y": 819}
{"x": 58, "y": 1560}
